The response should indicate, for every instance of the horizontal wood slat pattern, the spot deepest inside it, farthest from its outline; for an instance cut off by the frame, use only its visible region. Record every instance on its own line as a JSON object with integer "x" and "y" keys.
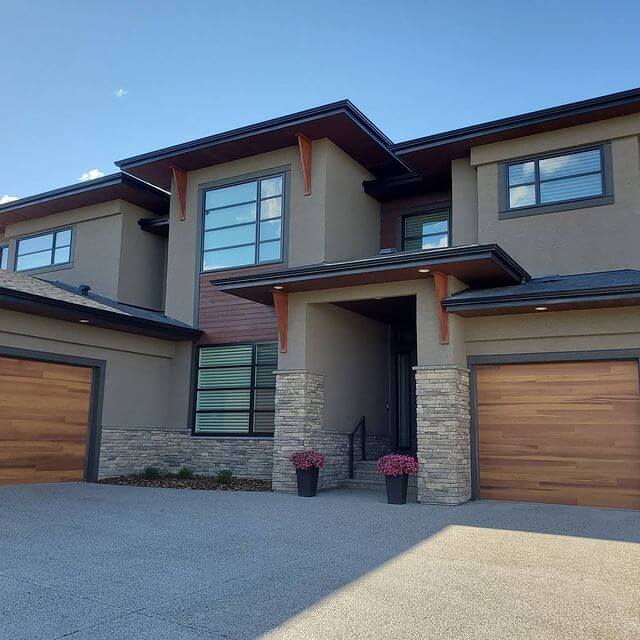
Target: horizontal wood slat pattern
{"x": 227, "y": 318}
{"x": 566, "y": 433}
{"x": 44, "y": 421}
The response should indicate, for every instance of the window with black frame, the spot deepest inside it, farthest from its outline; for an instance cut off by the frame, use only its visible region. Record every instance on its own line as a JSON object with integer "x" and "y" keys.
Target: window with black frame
{"x": 425, "y": 231}
{"x": 565, "y": 177}
{"x": 243, "y": 223}
{"x": 236, "y": 389}
{"x": 4, "y": 257}
{"x": 44, "y": 250}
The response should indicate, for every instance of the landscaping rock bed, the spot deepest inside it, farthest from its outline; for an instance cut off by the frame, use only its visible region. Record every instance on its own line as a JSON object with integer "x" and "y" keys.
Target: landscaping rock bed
{"x": 203, "y": 483}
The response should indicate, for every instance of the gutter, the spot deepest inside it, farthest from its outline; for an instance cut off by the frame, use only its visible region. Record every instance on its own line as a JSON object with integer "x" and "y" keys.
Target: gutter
{"x": 612, "y": 294}
{"x": 61, "y": 309}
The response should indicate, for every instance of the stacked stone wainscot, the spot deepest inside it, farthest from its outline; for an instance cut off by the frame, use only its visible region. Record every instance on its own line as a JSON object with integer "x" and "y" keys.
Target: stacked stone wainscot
{"x": 443, "y": 429}
{"x": 300, "y": 396}
{"x": 127, "y": 450}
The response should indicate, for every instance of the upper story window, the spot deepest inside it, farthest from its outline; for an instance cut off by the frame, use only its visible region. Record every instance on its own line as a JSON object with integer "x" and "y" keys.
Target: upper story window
{"x": 243, "y": 223}
{"x": 561, "y": 181}
{"x": 44, "y": 250}
{"x": 425, "y": 231}
{"x": 4, "y": 257}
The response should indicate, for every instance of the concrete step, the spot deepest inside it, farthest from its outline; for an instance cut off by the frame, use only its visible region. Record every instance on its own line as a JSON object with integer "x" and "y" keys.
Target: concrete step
{"x": 412, "y": 489}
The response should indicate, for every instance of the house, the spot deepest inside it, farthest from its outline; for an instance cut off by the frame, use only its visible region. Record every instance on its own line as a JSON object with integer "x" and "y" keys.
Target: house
{"x": 470, "y": 297}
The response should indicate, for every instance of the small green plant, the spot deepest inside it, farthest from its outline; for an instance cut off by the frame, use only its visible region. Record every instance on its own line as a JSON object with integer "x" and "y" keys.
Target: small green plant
{"x": 184, "y": 473}
{"x": 225, "y": 476}
{"x": 151, "y": 473}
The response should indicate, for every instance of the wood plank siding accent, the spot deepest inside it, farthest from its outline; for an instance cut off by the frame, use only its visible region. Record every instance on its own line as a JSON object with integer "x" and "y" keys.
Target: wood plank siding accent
{"x": 566, "y": 433}
{"x": 44, "y": 421}
{"x": 226, "y": 318}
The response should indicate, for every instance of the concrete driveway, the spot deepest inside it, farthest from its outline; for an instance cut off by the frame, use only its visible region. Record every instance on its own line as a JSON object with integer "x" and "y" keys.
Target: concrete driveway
{"x": 104, "y": 562}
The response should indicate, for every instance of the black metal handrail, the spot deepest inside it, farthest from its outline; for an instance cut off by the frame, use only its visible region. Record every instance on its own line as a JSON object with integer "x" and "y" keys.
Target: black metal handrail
{"x": 363, "y": 426}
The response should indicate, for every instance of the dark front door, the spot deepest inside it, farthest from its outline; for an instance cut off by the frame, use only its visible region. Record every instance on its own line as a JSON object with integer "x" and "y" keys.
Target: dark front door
{"x": 406, "y": 401}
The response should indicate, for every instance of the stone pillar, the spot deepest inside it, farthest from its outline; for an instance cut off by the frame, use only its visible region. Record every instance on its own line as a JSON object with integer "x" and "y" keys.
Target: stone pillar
{"x": 444, "y": 444}
{"x": 298, "y": 421}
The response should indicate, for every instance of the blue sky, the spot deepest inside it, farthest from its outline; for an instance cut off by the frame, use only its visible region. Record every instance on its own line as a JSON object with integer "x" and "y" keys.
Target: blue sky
{"x": 192, "y": 68}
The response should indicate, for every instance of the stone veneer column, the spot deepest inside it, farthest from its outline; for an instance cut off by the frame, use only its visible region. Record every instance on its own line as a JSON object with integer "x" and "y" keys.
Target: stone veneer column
{"x": 444, "y": 445}
{"x": 298, "y": 421}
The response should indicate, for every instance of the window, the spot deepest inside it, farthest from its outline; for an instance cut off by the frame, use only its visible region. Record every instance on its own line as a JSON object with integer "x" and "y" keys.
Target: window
{"x": 243, "y": 223}
{"x": 4, "y": 257}
{"x": 553, "y": 180}
{"x": 425, "y": 231}
{"x": 236, "y": 389}
{"x": 45, "y": 250}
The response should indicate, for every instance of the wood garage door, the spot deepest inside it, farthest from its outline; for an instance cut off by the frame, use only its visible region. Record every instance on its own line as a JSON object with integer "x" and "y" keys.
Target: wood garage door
{"x": 566, "y": 433}
{"x": 44, "y": 418}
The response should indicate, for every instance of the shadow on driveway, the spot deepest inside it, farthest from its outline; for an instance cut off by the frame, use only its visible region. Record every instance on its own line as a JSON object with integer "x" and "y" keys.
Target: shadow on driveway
{"x": 106, "y": 562}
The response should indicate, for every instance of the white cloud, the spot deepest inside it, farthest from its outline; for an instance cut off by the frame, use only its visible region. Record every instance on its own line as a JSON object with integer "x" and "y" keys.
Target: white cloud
{"x": 92, "y": 174}
{"x": 7, "y": 198}
{"x": 120, "y": 93}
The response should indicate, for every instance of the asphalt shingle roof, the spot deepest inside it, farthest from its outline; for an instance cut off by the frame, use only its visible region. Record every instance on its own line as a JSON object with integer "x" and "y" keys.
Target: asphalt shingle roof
{"x": 582, "y": 283}
{"x": 61, "y": 292}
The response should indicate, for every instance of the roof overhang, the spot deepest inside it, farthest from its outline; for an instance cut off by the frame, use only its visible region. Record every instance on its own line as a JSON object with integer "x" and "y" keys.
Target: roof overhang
{"x": 556, "y": 301}
{"x": 431, "y": 155}
{"x": 475, "y": 265}
{"x": 341, "y": 122}
{"x": 117, "y": 186}
{"x": 25, "y": 302}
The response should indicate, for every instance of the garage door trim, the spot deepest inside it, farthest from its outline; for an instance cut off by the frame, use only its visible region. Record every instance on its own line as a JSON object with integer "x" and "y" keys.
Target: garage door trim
{"x": 526, "y": 358}
{"x": 98, "y": 367}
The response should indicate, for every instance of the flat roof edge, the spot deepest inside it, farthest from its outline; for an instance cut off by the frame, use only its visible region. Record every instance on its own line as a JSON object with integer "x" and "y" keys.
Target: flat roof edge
{"x": 513, "y": 122}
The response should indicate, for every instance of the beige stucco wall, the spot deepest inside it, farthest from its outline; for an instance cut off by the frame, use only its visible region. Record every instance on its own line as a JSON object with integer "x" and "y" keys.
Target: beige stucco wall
{"x": 110, "y": 252}
{"x": 580, "y": 240}
{"x": 142, "y": 261}
{"x": 352, "y": 218}
{"x": 587, "y": 330}
{"x": 96, "y": 245}
{"x": 147, "y": 379}
{"x": 430, "y": 351}
{"x": 353, "y": 352}
{"x": 335, "y": 221}
{"x": 464, "y": 203}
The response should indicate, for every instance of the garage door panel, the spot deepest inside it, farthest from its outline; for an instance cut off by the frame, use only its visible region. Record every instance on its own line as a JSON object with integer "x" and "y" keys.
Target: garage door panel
{"x": 560, "y": 432}
{"x": 44, "y": 421}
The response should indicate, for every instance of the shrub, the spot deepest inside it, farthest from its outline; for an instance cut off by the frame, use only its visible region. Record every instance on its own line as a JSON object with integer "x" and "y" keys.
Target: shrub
{"x": 395, "y": 464}
{"x": 225, "y": 476}
{"x": 184, "y": 473}
{"x": 151, "y": 473}
{"x": 308, "y": 459}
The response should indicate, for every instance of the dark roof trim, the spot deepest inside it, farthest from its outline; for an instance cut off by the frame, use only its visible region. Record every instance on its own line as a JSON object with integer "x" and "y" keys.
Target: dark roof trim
{"x": 25, "y": 302}
{"x": 112, "y": 180}
{"x": 605, "y": 295}
{"x": 159, "y": 226}
{"x": 620, "y": 99}
{"x": 300, "y": 117}
{"x": 430, "y": 257}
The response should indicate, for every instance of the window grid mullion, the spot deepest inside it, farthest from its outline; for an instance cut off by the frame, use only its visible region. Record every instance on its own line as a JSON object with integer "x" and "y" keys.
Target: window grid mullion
{"x": 536, "y": 169}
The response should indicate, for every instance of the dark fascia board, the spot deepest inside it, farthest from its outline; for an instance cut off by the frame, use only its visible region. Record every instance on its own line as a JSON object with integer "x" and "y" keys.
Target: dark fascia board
{"x": 270, "y": 135}
{"x": 586, "y": 298}
{"x": 24, "y": 302}
{"x": 154, "y": 195}
{"x": 610, "y": 101}
{"x": 409, "y": 259}
{"x": 341, "y": 106}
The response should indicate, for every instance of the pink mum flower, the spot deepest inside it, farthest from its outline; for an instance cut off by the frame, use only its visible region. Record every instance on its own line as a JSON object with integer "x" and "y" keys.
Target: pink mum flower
{"x": 308, "y": 459}
{"x": 395, "y": 464}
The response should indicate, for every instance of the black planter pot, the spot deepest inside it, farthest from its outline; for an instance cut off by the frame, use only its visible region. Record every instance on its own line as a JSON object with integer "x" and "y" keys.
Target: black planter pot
{"x": 397, "y": 488}
{"x": 307, "y": 482}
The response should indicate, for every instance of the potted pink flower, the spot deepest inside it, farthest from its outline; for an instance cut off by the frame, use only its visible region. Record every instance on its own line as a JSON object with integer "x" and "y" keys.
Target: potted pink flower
{"x": 396, "y": 469}
{"x": 308, "y": 464}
